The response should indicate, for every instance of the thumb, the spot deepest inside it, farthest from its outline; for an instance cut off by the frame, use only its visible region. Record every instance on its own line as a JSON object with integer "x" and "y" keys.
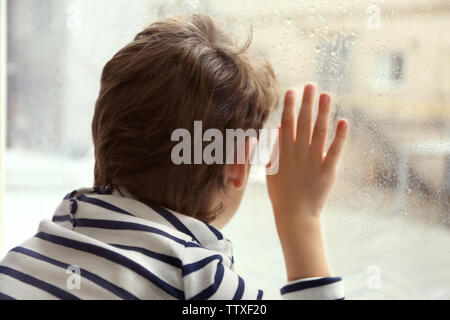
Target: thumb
{"x": 273, "y": 165}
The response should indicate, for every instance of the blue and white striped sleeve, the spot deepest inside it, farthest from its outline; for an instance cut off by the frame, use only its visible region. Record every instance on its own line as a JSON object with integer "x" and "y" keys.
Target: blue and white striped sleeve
{"x": 212, "y": 278}
{"x": 325, "y": 288}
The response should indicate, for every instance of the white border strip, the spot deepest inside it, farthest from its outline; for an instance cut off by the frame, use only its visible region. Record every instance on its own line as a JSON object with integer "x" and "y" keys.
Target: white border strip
{"x": 3, "y": 101}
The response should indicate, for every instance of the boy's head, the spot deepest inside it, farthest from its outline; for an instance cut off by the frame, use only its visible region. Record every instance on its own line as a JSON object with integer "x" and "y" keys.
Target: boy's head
{"x": 175, "y": 72}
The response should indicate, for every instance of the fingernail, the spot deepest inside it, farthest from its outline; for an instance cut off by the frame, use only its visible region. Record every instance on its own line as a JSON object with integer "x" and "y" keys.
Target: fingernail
{"x": 325, "y": 98}
{"x": 290, "y": 93}
{"x": 342, "y": 125}
{"x": 309, "y": 88}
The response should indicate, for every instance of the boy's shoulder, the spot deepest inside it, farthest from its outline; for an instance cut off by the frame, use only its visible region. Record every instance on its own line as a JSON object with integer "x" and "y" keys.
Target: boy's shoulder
{"x": 114, "y": 242}
{"x": 116, "y": 217}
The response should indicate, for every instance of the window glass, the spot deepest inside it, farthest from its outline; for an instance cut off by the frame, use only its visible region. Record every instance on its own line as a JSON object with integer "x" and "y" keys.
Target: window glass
{"x": 386, "y": 64}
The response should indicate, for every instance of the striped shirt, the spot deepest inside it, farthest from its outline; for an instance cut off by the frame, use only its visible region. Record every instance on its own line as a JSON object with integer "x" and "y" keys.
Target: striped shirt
{"x": 111, "y": 246}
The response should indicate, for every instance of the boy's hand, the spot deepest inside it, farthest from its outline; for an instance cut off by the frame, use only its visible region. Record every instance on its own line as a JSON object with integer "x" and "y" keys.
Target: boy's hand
{"x": 300, "y": 188}
{"x": 306, "y": 174}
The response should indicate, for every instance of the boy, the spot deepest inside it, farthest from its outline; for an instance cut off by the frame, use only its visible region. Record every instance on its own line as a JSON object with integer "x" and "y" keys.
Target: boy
{"x": 149, "y": 227}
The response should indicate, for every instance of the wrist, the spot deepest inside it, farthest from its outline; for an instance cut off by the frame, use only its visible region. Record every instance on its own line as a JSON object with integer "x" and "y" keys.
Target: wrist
{"x": 295, "y": 216}
{"x": 299, "y": 227}
{"x": 303, "y": 247}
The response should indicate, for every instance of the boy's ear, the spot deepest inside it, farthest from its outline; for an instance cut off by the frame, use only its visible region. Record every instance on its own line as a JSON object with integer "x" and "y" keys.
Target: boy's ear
{"x": 236, "y": 174}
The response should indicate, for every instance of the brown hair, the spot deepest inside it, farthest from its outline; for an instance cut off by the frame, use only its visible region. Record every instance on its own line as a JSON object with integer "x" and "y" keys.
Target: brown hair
{"x": 175, "y": 72}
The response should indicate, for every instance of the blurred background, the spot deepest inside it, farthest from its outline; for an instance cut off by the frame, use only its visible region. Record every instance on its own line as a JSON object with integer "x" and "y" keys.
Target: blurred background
{"x": 386, "y": 63}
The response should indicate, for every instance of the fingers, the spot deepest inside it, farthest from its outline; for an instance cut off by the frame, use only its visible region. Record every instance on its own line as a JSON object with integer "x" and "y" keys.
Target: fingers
{"x": 320, "y": 133}
{"x": 335, "y": 150}
{"x": 287, "y": 130}
{"x": 301, "y": 133}
{"x": 304, "y": 123}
